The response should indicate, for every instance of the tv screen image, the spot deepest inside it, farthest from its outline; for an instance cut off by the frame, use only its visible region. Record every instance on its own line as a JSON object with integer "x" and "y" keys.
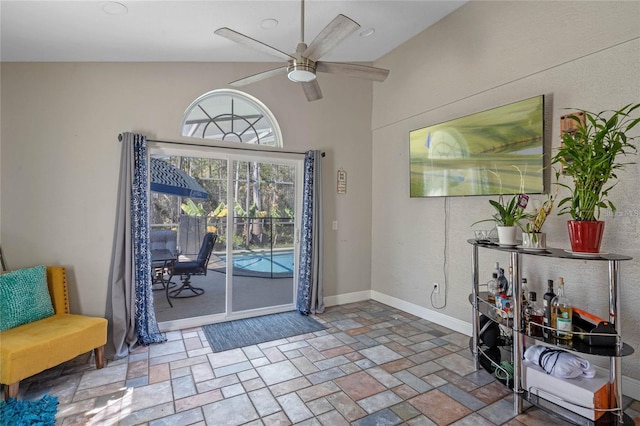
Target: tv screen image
{"x": 498, "y": 151}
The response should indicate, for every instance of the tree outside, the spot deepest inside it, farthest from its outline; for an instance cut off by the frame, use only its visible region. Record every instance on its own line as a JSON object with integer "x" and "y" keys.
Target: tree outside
{"x": 264, "y": 195}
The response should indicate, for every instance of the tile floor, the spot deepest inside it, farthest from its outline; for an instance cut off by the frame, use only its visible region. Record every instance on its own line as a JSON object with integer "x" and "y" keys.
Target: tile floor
{"x": 373, "y": 365}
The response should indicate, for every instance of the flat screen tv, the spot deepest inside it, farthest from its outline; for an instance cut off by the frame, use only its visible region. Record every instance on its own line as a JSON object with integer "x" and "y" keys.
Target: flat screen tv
{"x": 498, "y": 151}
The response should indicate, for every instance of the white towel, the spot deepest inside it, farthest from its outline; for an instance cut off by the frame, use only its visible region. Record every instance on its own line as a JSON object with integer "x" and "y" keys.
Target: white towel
{"x": 559, "y": 363}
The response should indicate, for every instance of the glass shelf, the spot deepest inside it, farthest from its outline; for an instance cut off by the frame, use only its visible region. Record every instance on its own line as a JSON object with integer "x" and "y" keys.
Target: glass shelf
{"x": 549, "y": 252}
{"x": 576, "y": 344}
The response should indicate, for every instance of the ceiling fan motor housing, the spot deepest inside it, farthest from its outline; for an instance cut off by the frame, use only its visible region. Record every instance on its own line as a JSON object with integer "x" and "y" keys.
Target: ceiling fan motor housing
{"x": 301, "y": 71}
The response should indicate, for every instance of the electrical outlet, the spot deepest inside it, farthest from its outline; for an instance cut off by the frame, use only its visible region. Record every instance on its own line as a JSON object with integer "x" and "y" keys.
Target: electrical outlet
{"x": 436, "y": 288}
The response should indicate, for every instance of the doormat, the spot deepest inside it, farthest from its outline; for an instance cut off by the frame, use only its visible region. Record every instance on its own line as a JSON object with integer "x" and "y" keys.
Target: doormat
{"x": 20, "y": 412}
{"x": 251, "y": 331}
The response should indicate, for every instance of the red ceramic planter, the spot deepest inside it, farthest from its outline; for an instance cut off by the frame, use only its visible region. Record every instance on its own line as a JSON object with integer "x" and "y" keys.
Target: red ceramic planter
{"x": 585, "y": 235}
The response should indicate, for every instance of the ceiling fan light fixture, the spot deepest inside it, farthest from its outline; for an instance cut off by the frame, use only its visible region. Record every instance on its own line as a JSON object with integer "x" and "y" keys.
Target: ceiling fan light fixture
{"x": 301, "y": 73}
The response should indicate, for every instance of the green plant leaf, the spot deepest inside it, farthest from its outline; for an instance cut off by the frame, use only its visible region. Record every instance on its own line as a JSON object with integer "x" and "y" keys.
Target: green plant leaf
{"x": 589, "y": 156}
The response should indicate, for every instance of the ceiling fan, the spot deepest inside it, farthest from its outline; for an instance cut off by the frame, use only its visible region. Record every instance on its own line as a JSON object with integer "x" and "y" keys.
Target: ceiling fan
{"x": 304, "y": 63}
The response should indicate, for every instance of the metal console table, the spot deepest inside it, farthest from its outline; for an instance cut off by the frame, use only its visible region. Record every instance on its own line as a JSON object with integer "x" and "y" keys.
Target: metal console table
{"x": 480, "y": 305}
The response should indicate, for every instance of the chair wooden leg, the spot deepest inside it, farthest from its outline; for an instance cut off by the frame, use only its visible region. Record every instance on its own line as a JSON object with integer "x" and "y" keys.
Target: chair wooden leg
{"x": 10, "y": 391}
{"x": 99, "y": 355}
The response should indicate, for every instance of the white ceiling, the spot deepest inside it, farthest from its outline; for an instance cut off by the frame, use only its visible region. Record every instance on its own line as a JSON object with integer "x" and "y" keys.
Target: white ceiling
{"x": 168, "y": 31}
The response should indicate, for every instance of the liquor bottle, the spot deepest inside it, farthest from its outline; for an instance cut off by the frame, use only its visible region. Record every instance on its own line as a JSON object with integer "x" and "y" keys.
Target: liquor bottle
{"x": 524, "y": 302}
{"x": 562, "y": 312}
{"x": 497, "y": 270}
{"x": 503, "y": 283}
{"x": 533, "y": 315}
{"x": 524, "y": 291}
{"x": 509, "y": 278}
{"x": 492, "y": 288}
{"x": 548, "y": 297}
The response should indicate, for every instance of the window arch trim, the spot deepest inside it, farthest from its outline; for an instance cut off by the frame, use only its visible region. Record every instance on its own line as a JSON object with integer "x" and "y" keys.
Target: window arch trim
{"x": 259, "y": 106}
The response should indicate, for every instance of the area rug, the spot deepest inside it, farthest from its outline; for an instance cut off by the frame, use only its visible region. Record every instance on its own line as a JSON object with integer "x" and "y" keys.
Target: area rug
{"x": 35, "y": 413}
{"x": 251, "y": 331}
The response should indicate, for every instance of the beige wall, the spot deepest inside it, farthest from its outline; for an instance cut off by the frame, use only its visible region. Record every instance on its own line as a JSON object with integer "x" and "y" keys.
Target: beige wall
{"x": 487, "y": 54}
{"x": 60, "y": 155}
{"x": 60, "y": 158}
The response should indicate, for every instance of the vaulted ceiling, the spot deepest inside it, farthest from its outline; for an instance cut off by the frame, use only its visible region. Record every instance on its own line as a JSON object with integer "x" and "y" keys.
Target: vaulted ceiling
{"x": 170, "y": 31}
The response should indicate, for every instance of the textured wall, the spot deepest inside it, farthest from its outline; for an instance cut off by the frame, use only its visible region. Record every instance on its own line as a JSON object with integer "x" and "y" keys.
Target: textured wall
{"x": 486, "y": 54}
{"x": 60, "y": 158}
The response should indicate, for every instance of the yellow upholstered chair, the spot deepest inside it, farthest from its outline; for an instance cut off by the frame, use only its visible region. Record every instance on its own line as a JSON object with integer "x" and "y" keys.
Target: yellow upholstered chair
{"x": 30, "y": 348}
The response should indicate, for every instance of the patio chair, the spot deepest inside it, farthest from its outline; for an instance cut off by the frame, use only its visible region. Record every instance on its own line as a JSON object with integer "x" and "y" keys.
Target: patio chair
{"x": 162, "y": 240}
{"x": 186, "y": 269}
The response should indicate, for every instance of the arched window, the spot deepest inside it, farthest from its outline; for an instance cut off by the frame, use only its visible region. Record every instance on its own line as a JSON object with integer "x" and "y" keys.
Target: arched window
{"x": 231, "y": 116}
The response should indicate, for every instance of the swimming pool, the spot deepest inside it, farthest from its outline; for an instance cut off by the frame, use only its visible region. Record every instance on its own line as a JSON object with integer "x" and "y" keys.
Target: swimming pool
{"x": 263, "y": 263}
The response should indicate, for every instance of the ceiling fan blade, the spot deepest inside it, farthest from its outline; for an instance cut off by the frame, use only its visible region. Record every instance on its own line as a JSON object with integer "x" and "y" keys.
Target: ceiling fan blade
{"x": 252, "y": 43}
{"x": 260, "y": 76}
{"x": 353, "y": 70}
{"x": 337, "y": 30}
{"x": 312, "y": 90}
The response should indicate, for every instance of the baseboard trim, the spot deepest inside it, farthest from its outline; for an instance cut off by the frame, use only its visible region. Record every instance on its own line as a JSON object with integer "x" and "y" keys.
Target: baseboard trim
{"x": 343, "y": 299}
{"x": 631, "y": 387}
{"x": 424, "y": 313}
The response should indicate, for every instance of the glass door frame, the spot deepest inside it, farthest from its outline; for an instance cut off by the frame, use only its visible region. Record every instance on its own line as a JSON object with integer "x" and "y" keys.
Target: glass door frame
{"x": 231, "y": 156}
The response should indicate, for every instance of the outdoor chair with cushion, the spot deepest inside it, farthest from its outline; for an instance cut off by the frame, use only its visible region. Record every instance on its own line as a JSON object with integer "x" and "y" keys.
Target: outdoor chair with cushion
{"x": 186, "y": 269}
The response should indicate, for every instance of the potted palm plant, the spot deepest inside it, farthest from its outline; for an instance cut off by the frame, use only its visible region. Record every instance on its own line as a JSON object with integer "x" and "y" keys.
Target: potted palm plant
{"x": 589, "y": 155}
{"x": 507, "y": 217}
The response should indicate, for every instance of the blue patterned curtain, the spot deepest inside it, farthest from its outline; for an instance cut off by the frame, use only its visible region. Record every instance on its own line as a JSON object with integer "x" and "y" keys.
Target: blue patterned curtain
{"x": 130, "y": 309}
{"x": 146, "y": 324}
{"x": 310, "y": 287}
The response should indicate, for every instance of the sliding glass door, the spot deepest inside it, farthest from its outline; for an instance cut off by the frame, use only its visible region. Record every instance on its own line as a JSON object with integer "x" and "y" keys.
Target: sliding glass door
{"x": 264, "y": 197}
{"x": 251, "y": 205}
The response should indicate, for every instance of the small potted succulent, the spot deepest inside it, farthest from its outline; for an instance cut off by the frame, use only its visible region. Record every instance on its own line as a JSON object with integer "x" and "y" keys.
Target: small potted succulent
{"x": 589, "y": 155}
{"x": 508, "y": 217}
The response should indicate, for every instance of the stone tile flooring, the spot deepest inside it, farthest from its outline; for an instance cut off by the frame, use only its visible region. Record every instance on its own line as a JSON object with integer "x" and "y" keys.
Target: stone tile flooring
{"x": 374, "y": 365}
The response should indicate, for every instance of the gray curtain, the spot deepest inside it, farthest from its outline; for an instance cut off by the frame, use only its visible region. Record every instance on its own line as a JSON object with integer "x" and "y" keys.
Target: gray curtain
{"x": 310, "y": 299}
{"x": 130, "y": 308}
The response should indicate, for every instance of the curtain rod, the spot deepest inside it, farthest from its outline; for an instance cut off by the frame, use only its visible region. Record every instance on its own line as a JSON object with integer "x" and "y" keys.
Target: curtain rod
{"x": 224, "y": 147}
